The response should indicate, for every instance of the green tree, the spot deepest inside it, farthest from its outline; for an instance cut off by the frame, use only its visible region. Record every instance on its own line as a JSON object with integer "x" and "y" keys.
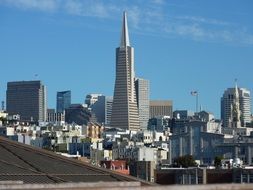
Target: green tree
{"x": 3, "y": 119}
{"x": 86, "y": 139}
{"x": 217, "y": 161}
{"x": 185, "y": 161}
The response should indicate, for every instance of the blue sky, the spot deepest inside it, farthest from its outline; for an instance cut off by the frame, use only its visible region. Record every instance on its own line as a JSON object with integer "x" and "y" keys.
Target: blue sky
{"x": 180, "y": 46}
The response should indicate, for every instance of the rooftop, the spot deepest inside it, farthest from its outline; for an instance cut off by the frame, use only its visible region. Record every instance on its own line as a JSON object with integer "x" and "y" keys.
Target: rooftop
{"x": 30, "y": 165}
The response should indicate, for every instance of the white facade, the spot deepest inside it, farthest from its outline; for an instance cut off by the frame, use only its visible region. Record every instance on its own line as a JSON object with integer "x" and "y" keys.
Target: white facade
{"x": 26, "y": 139}
{"x": 142, "y": 95}
{"x": 10, "y": 131}
{"x": 108, "y": 109}
{"x": 150, "y": 137}
{"x": 244, "y": 105}
{"x": 3, "y": 114}
{"x": 90, "y": 99}
{"x": 147, "y": 154}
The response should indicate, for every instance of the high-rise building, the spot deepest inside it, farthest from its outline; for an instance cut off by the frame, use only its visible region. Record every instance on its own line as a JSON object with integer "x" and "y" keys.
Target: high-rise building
{"x": 91, "y": 99}
{"x": 63, "y": 100}
{"x": 77, "y": 113}
{"x": 160, "y": 108}
{"x": 28, "y": 99}
{"x": 124, "y": 109}
{"x": 102, "y": 109}
{"x": 183, "y": 114}
{"x": 142, "y": 96}
{"x": 230, "y": 103}
{"x": 108, "y": 110}
{"x": 55, "y": 117}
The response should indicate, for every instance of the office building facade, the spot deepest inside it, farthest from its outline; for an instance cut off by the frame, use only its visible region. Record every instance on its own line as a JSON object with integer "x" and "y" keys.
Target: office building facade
{"x": 78, "y": 114}
{"x": 101, "y": 109}
{"x": 91, "y": 99}
{"x": 124, "y": 109}
{"x": 55, "y": 117}
{"x": 160, "y": 108}
{"x": 197, "y": 138}
{"x": 28, "y": 99}
{"x": 228, "y": 107}
{"x": 142, "y": 96}
{"x": 108, "y": 110}
{"x": 63, "y": 100}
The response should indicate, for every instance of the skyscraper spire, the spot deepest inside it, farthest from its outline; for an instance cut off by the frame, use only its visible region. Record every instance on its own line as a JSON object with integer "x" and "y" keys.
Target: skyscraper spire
{"x": 124, "y": 35}
{"x": 236, "y": 108}
{"x": 125, "y": 113}
{"x": 236, "y": 90}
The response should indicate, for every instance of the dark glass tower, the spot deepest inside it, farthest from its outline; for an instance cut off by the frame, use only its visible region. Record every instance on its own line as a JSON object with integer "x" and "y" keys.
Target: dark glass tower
{"x": 28, "y": 99}
{"x": 63, "y": 101}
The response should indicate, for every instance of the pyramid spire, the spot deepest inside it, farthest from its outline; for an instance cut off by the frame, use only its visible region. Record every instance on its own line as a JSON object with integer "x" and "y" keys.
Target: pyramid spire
{"x": 236, "y": 90}
{"x": 124, "y": 35}
{"x": 236, "y": 108}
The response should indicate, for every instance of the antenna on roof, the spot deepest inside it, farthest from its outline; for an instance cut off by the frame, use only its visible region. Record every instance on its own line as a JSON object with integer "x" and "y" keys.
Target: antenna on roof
{"x": 2, "y": 105}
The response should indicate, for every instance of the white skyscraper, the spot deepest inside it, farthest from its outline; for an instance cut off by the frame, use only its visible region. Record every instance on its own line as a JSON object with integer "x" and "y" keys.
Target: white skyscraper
{"x": 234, "y": 98}
{"x": 142, "y": 95}
{"x": 124, "y": 109}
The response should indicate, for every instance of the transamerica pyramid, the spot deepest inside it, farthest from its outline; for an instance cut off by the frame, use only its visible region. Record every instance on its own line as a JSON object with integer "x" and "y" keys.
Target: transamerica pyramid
{"x": 124, "y": 109}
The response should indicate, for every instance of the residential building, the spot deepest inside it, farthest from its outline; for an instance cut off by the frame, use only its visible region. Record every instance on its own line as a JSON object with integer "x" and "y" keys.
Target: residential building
{"x": 142, "y": 95}
{"x": 149, "y": 137}
{"x": 124, "y": 109}
{"x": 98, "y": 153}
{"x": 93, "y": 130}
{"x": 22, "y": 163}
{"x": 28, "y": 99}
{"x": 116, "y": 165}
{"x": 79, "y": 148}
{"x": 229, "y": 99}
{"x": 63, "y": 100}
{"x": 3, "y": 114}
{"x": 138, "y": 152}
{"x": 160, "y": 108}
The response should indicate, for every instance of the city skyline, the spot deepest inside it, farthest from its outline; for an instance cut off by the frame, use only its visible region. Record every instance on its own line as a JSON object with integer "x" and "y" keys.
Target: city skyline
{"x": 190, "y": 46}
